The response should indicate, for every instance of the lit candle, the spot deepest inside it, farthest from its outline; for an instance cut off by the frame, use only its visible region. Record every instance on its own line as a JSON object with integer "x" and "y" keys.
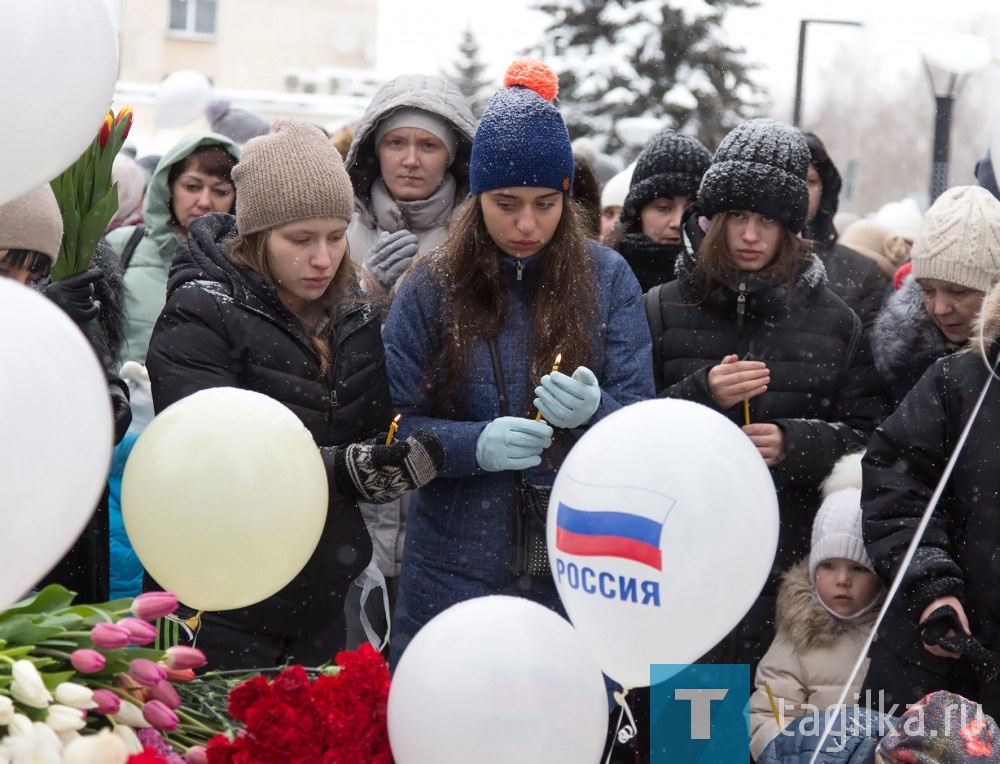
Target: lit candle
{"x": 746, "y": 411}
{"x": 555, "y": 368}
{"x": 393, "y": 426}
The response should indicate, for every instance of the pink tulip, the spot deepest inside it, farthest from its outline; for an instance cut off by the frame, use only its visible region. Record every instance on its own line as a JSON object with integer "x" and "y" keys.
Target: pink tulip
{"x": 87, "y": 661}
{"x": 153, "y": 605}
{"x": 196, "y": 754}
{"x": 140, "y": 632}
{"x": 146, "y": 673}
{"x": 161, "y": 717}
{"x": 107, "y": 636}
{"x": 165, "y": 693}
{"x": 107, "y": 702}
{"x": 181, "y": 657}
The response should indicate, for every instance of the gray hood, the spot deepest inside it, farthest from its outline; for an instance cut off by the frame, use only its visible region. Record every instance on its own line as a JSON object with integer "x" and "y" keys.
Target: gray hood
{"x": 432, "y": 94}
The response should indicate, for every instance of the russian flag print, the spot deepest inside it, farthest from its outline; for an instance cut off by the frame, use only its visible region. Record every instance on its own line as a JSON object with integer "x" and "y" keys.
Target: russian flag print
{"x": 609, "y": 534}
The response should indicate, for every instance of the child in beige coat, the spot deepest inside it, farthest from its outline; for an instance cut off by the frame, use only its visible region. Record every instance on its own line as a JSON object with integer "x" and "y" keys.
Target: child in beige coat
{"x": 825, "y": 611}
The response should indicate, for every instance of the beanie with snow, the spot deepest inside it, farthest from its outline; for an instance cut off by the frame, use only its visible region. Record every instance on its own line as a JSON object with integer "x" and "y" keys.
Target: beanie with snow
{"x": 761, "y": 167}
{"x": 836, "y": 531}
{"x": 522, "y": 139}
{"x": 32, "y": 222}
{"x": 670, "y": 164}
{"x": 292, "y": 173}
{"x": 959, "y": 239}
{"x": 239, "y": 125}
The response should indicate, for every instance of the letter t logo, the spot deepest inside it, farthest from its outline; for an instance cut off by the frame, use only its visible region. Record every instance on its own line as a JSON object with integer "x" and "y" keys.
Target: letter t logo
{"x": 701, "y": 704}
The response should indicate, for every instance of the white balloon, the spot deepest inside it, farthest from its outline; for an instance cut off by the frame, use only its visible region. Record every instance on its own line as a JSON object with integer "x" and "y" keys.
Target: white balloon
{"x": 662, "y": 529}
{"x": 62, "y": 60}
{"x": 182, "y": 98}
{"x": 55, "y": 436}
{"x": 224, "y": 498}
{"x": 495, "y": 680}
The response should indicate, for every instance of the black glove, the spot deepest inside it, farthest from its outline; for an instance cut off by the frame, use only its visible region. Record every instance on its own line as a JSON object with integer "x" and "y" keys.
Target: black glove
{"x": 75, "y": 295}
{"x": 120, "y": 408}
{"x": 379, "y": 473}
{"x": 934, "y": 629}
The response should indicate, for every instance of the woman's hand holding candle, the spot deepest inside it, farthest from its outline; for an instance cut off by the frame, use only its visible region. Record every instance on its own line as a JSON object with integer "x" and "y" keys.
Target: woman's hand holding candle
{"x": 568, "y": 402}
{"x": 733, "y": 381}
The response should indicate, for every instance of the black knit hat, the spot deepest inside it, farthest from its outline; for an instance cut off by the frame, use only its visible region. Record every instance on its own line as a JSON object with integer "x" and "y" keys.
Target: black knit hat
{"x": 760, "y": 166}
{"x": 670, "y": 164}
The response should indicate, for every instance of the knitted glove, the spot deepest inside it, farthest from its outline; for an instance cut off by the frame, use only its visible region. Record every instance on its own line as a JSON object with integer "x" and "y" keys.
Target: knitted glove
{"x": 512, "y": 443}
{"x": 568, "y": 401}
{"x": 379, "y": 473}
{"x": 390, "y": 255}
{"x": 75, "y": 295}
{"x": 934, "y": 629}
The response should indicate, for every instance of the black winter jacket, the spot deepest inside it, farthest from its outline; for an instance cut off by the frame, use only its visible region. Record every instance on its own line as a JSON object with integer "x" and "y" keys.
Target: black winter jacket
{"x": 224, "y": 325}
{"x": 824, "y": 392}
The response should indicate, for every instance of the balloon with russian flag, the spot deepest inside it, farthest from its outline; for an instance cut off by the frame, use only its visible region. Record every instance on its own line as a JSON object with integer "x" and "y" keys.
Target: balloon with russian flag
{"x": 662, "y": 530}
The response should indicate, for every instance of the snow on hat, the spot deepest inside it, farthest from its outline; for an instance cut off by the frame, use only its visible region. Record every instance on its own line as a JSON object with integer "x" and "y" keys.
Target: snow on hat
{"x": 522, "y": 139}
{"x": 941, "y": 728}
{"x": 901, "y": 218}
{"x": 670, "y": 164}
{"x": 411, "y": 116}
{"x": 290, "y": 174}
{"x": 616, "y": 189}
{"x": 32, "y": 222}
{"x": 836, "y": 531}
{"x": 868, "y": 238}
{"x": 959, "y": 240}
{"x": 238, "y": 125}
{"x": 760, "y": 166}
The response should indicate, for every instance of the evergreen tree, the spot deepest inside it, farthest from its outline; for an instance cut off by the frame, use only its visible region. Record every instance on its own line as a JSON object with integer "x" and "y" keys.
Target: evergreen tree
{"x": 648, "y": 58}
{"x": 468, "y": 73}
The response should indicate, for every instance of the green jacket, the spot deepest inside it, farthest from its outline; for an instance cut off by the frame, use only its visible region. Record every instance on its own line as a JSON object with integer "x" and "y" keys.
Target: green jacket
{"x": 146, "y": 276}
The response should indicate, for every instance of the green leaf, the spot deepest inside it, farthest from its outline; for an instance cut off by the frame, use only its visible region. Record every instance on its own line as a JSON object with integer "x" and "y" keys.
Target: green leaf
{"x": 93, "y": 225}
{"x": 27, "y": 630}
{"x": 66, "y": 264}
{"x": 52, "y": 597}
{"x": 54, "y": 679}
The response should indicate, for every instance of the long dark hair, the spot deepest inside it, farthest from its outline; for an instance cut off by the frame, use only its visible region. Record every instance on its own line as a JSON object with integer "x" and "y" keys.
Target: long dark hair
{"x": 566, "y": 307}
{"x": 250, "y": 252}
{"x": 715, "y": 262}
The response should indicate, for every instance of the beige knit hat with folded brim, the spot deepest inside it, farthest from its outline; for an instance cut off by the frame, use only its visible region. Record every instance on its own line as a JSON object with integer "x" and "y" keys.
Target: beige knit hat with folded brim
{"x": 32, "y": 222}
{"x": 292, "y": 173}
{"x": 959, "y": 240}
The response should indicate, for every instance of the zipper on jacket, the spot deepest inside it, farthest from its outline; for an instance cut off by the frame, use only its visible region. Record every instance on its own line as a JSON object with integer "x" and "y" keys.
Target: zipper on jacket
{"x": 520, "y": 269}
{"x": 741, "y": 306}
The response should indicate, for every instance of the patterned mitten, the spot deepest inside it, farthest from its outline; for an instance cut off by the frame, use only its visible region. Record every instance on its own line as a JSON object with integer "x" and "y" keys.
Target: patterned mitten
{"x": 379, "y": 473}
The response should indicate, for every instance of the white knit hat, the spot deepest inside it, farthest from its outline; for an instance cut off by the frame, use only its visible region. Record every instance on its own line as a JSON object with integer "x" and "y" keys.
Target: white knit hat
{"x": 836, "y": 530}
{"x": 616, "y": 189}
{"x": 959, "y": 240}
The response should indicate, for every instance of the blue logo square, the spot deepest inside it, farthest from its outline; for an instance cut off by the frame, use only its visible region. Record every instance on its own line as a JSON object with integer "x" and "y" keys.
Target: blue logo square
{"x": 699, "y": 714}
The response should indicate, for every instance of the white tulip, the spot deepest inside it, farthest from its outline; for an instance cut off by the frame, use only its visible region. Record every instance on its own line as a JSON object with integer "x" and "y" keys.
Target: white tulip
{"x": 130, "y": 715}
{"x": 127, "y": 735}
{"x": 75, "y": 695}
{"x": 102, "y": 748}
{"x": 20, "y": 725}
{"x": 27, "y": 687}
{"x": 44, "y": 734}
{"x": 62, "y": 718}
{"x": 6, "y": 710}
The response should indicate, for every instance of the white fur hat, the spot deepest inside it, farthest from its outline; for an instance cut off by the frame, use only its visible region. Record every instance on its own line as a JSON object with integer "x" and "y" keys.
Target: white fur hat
{"x": 616, "y": 189}
{"x": 837, "y": 528}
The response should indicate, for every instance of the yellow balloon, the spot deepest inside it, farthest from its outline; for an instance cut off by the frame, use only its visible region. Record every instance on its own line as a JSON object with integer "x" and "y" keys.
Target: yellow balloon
{"x": 224, "y": 498}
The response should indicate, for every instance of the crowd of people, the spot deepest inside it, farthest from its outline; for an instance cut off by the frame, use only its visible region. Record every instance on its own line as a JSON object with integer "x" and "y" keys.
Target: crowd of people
{"x": 434, "y": 266}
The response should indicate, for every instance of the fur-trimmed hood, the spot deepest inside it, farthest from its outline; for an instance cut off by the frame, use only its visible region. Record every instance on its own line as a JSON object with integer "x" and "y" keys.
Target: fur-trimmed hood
{"x": 988, "y": 321}
{"x": 904, "y": 338}
{"x": 801, "y": 617}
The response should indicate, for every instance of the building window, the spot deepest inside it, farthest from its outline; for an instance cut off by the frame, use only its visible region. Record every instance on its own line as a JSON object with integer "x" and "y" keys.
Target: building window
{"x": 193, "y": 17}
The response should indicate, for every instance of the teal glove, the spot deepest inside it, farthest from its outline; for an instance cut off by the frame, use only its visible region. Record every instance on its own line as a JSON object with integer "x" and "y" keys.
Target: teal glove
{"x": 568, "y": 401}
{"x": 512, "y": 443}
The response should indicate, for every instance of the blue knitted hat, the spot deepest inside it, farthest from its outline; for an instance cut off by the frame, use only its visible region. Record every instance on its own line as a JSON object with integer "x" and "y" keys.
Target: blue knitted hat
{"x": 522, "y": 139}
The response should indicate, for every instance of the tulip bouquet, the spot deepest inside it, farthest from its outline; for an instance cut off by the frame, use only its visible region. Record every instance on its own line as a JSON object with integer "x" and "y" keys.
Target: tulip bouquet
{"x": 78, "y": 685}
{"x": 86, "y": 198}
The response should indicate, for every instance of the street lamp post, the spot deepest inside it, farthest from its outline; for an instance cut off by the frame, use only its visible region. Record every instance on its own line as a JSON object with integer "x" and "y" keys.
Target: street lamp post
{"x": 949, "y": 58}
{"x": 803, "y": 25}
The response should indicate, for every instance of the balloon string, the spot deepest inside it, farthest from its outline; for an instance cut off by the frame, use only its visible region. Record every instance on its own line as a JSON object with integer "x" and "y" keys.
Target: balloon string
{"x": 626, "y": 733}
{"x": 194, "y": 622}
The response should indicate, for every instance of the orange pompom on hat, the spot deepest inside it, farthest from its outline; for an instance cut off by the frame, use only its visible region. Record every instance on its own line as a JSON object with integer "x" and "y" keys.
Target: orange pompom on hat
{"x": 522, "y": 139}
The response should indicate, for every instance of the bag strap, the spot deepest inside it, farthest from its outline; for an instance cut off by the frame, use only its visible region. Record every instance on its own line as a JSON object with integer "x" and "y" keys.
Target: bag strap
{"x": 654, "y": 315}
{"x": 501, "y": 389}
{"x": 130, "y": 246}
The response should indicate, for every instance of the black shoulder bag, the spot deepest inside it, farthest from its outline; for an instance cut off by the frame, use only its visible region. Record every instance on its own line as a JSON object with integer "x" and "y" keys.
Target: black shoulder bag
{"x": 530, "y": 555}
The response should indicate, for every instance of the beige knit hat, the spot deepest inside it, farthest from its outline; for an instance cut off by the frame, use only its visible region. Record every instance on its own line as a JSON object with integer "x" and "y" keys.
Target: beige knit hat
{"x": 874, "y": 241}
{"x": 32, "y": 222}
{"x": 292, "y": 173}
{"x": 959, "y": 240}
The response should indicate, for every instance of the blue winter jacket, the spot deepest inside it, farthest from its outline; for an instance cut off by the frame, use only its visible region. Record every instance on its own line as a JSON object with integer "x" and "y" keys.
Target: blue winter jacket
{"x": 460, "y": 526}
{"x": 796, "y": 745}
